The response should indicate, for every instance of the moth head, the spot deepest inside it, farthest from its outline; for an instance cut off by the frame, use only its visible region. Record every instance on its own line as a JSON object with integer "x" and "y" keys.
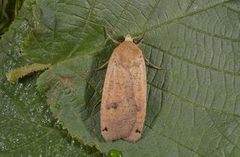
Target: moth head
{"x": 128, "y": 38}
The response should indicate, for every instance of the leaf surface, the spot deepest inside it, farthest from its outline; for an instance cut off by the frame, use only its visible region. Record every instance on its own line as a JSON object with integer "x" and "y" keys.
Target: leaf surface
{"x": 27, "y": 127}
{"x": 193, "y": 104}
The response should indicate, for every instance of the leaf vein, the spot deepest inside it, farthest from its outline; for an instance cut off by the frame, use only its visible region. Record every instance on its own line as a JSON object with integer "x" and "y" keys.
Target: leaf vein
{"x": 193, "y": 103}
{"x": 209, "y": 34}
{"x": 194, "y": 63}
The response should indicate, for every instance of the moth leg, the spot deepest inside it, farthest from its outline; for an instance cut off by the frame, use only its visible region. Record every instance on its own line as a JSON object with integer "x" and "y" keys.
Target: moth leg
{"x": 152, "y": 65}
{"x": 109, "y": 37}
{"x": 102, "y": 66}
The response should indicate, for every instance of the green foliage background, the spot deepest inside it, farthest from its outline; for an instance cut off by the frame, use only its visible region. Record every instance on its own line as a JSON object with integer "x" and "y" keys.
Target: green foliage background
{"x": 193, "y": 105}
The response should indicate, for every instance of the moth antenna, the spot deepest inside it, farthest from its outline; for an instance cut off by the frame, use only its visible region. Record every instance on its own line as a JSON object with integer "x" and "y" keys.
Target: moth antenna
{"x": 110, "y": 37}
{"x": 140, "y": 40}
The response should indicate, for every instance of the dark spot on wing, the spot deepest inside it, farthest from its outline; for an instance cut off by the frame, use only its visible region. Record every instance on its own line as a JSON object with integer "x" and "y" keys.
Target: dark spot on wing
{"x": 105, "y": 129}
{"x": 113, "y": 105}
{"x": 138, "y": 131}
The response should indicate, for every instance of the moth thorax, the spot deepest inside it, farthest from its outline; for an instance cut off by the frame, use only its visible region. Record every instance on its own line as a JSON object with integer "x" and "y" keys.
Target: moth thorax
{"x": 128, "y": 38}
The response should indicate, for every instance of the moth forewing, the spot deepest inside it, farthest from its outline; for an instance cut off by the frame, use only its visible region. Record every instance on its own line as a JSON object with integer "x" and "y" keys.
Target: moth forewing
{"x": 123, "y": 105}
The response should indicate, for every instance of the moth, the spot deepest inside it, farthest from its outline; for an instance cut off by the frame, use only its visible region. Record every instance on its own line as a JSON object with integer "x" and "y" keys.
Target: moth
{"x": 123, "y": 104}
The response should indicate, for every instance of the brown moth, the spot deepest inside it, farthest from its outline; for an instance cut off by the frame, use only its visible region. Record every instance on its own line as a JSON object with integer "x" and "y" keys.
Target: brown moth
{"x": 123, "y": 105}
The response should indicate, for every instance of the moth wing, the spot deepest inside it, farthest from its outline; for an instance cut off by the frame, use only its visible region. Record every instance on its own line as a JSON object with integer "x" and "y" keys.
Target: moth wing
{"x": 118, "y": 109}
{"x": 138, "y": 71}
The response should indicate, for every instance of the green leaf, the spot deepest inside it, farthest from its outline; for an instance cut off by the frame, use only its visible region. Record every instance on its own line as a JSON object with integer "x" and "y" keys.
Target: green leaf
{"x": 193, "y": 105}
{"x": 58, "y": 36}
{"x": 27, "y": 127}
